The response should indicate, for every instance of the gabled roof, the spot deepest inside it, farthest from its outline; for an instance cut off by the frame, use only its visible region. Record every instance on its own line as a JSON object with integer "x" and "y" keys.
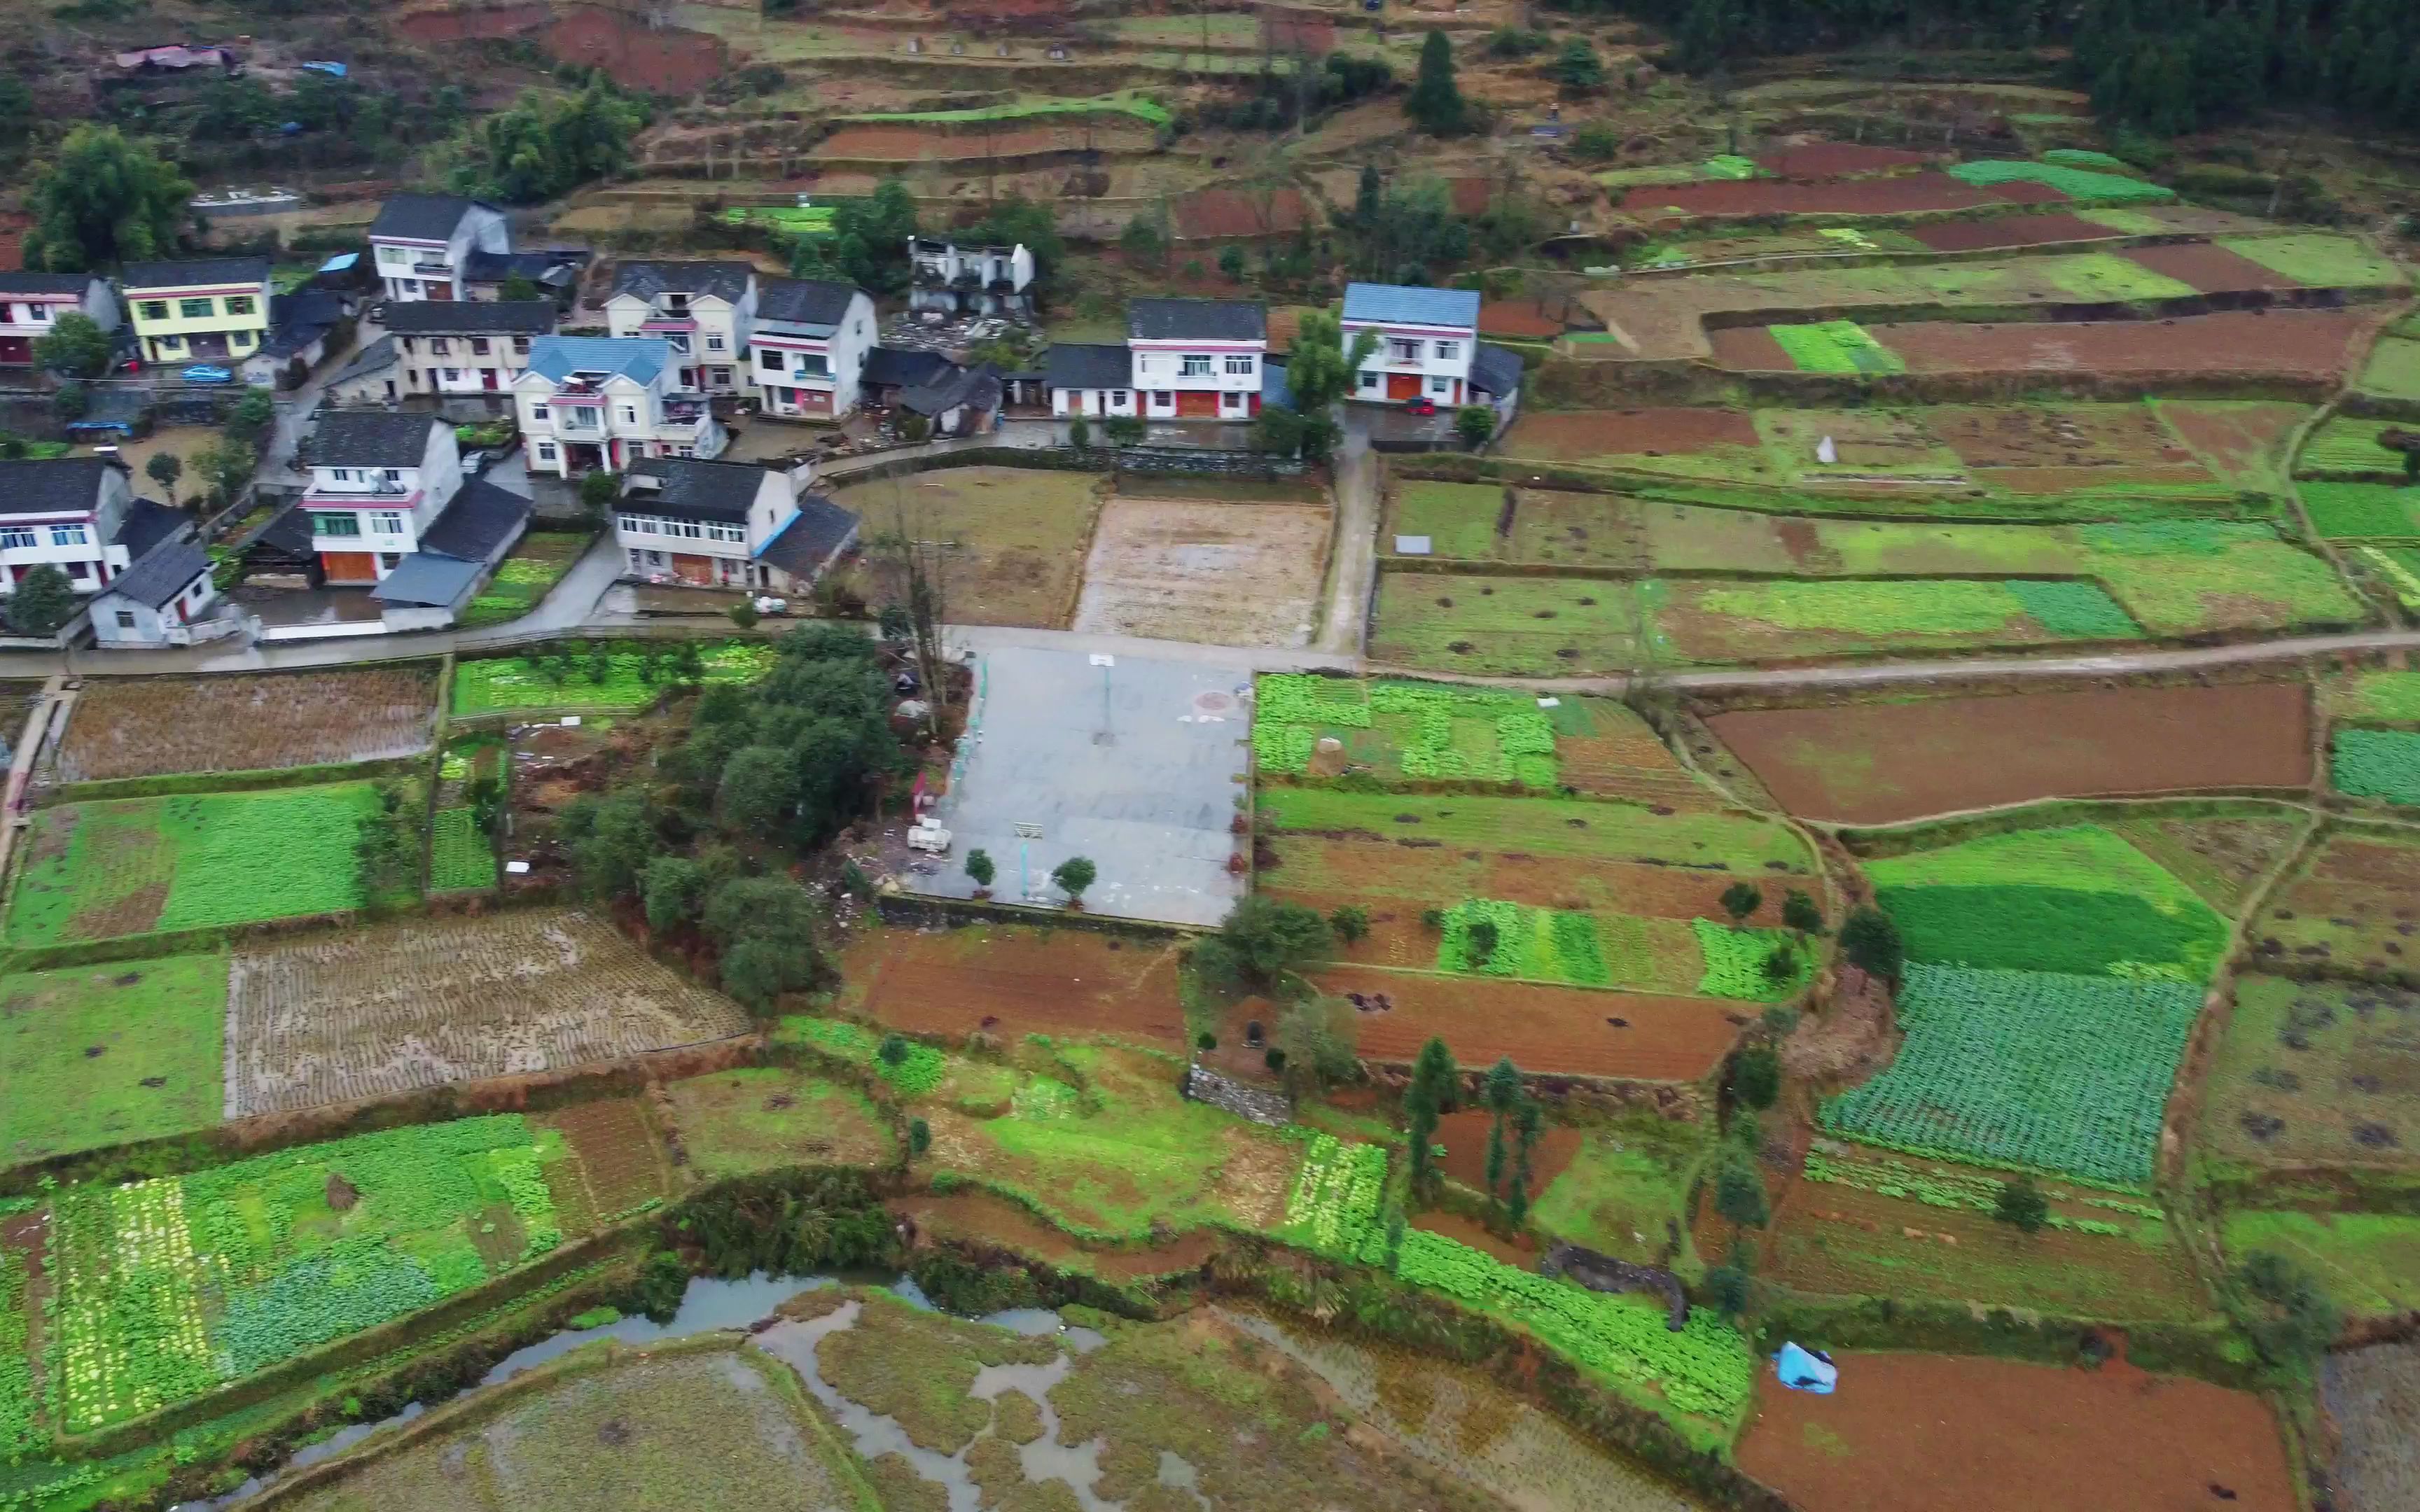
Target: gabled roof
{"x": 640, "y": 358}
{"x": 1068, "y": 366}
{"x": 62, "y": 486}
{"x": 695, "y": 489}
{"x": 1196, "y": 320}
{"x": 424, "y": 217}
{"x": 820, "y": 529}
{"x": 725, "y": 281}
{"x": 163, "y": 574}
{"x": 892, "y": 366}
{"x": 428, "y": 581}
{"x": 482, "y": 517}
{"x": 368, "y": 438}
{"x": 542, "y": 265}
{"x": 804, "y": 301}
{"x": 377, "y": 357}
{"x": 196, "y": 272}
{"x": 14, "y": 281}
{"x": 148, "y": 523}
{"x": 298, "y": 319}
{"x": 976, "y": 386}
{"x": 470, "y": 318}
{"x": 1400, "y": 304}
{"x": 1494, "y": 370}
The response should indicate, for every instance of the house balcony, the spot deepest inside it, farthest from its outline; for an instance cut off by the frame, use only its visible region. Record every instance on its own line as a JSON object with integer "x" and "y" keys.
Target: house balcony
{"x": 663, "y": 324}
{"x": 388, "y": 497}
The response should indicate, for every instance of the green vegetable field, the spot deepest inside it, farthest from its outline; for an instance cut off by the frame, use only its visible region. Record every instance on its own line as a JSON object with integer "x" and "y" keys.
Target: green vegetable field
{"x": 622, "y": 678}
{"x": 110, "y": 1055}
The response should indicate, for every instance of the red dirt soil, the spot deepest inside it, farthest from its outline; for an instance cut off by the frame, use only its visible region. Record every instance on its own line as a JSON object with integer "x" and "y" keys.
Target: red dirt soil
{"x": 1233, "y": 212}
{"x": 1926, "y": 1433}
{"x": 1873, "y": 763}
{"x": 2210, "y": 269}
{"x": 1570, "y": 434}
{"x": 1908, "y": 195}
{"x": 2237, "y": 439}
{"x": 2286, "y": 342}
{"x": 1748, "y": 350}
{"x": 1516, "y": 318}
{"x": 1838, "y": 160}
{"x": 1465, "y": 1137}
{"x": 670, "y": 61}
{"x": 463, "y": 26}
{"x": 2008, "y": 231}
{"x": 908, "y": 143}
{"x": 1545, "y": 1030}
{"x": 1015, "y": 982}
{"x": 2058, "y": 480}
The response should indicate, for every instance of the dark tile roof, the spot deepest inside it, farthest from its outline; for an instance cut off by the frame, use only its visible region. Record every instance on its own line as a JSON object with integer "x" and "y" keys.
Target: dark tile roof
{"x": 63, "y": 486}
{"x": 563, "y": 263}
{"x": 1196, "y": 320}
{"x": 893, "y": 367}
{"x": 426, "y": 579}
{"x": 1071, "y": 366}
{"x": 808, "y": 542}
{"x": 194, "y": 272}
{"x": 976, "y": 386}
{"x": 699, "y": 491}
{"x": 14, "y": 281}
{"x": 285, "y": 540}
{"x": 163, "y": 574}
{"x": 148, "y": 523}
{"x": 368, "y": 438}
{"x": 298, "y": 319}
{"x": 804, "y": 301}
{"x": 375, "y": 358}
{"x": 723, "y": 280}
{"x": 423, "y": 217}
{"x": 482, "y": 517}
{"x": 1494, "y": 370}
{"x": 470, "y": 318}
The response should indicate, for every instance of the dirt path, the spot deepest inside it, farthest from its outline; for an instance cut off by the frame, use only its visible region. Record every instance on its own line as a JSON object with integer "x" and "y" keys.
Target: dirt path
{"x": 1357, "y": 547}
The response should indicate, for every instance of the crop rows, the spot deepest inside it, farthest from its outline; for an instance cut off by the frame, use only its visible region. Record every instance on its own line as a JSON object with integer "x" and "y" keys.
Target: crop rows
{"x": 1836, "y": 346}
{"x": 18, "y": 1432}
{"x": 1440, "y": 734}
{"x": 2027, "y": 1070}
{"x": 1739, "y": 962}
{"x": 602, "y": 679}
{"x": 459, "y": 857}
{"x": 1705, "y": 1370}
{"x": 1333, "y": 1205}
{"x": 2378, "y": 763}
{"x": 1891, "y": 1177}
{"x": 1537, "y": 944}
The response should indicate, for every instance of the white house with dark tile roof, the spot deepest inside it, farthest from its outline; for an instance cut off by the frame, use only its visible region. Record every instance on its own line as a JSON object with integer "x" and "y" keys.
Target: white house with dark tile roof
{"x": 704, "y": 311}
{"x": 422, "y": 245}
{"x": 727, "y": 525}
{"x": 468, "y": 347}
{"x": 808, "y": 351}
{"x": 79, "y": 514}
{"x": 32, "y": 303}
{"x": 1198, "y": 359}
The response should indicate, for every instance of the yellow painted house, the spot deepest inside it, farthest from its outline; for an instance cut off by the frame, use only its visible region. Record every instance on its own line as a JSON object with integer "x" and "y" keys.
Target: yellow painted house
{"x": 206, "y": 310}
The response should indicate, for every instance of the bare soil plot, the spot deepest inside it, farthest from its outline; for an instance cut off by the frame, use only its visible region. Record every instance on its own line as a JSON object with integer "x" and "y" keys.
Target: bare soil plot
{"x": 2243, "y": 442}
{"x": 333, "y": 1018}
{"x": 1514, "y": 318}
{"x": 1578, "y": 528}
{"x": 1208, "y": 213}
{"x": 2208, "y": 269}
{"x": 621, "y": 1165}
{"x": 127, "y": 727}
{"x": 2316, "y": 1073}
{"x": 2373, "y": 1398}
{"x": 2221, "y": 859}
{"x": 1874, "y": 763}
{"x": 1922, "y": 1432}
{"x": 1567, "y": 1030}
{"x": 2354, "y": 902}
{"x": 1577, "y": 435}
{"x": 1234, "y": 574}
{"x": 1010, "y": 982}
{"x": 1838, "y": 160}
{"x": 1465, "y": 1137}
{"x": 1021, "y": 534}
{"x": 1907, "y": 194}
{"x": 2070, "y": 435}
{"x": 2008, "y": 231}
{"x": 2302, "y": 344}
{"x": 671, "y": 61}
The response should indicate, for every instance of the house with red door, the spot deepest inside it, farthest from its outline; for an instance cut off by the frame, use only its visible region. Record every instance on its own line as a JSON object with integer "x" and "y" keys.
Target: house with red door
{"x": 423, "y": 245}
{"x": 728, "y": 525}
{"x": 31, "y": 305}
{"x": 447, "y": 349}
{"x": 377, "y": 481}
{"x": 1426, "y": 340}
{"x": 1198, "y": 359}
{"x": 809, "y": 347}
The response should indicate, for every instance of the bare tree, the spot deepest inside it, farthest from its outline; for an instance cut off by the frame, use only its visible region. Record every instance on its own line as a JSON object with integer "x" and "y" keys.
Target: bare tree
{"x": 917, "y": 568}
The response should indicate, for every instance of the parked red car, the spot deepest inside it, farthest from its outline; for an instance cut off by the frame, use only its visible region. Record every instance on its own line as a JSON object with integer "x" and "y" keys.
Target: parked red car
{"x": 1421, "y": 406}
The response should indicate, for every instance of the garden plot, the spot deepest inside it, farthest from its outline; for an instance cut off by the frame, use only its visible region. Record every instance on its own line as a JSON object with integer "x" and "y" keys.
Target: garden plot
{"x": 2369, "y": 1262}
{"x": 1461, "y": 521}
{"x": 2023, "y": 1437}
{"x": 132, "y": 727}
{"x": 2243, "y": 442}
{"x": 765, "y": 1118}
{"x": 2224, "y": 859}
{"x": 1881, "y": 763}
{"x": 1009, "y": 982}
{"x": 1229, "y": 574}
{"x": 1572, "y": 1031}
{"x": 1719, "y": 622}
{"x": 2363, "y": 511}
{"x": 619, "y": 1164}
{"x": 2393, "y": 371}
{"x": 2308, "y": 347}
{"x": 1610, "y": 437}
{"x": 97, "y": 870}
{"x": 1504, "y": 626}
{"x": 2376, "y": 764}
{"x": 2352, "y": 905}
{"x": 528, "y": 573}
{"x": 375, "y": 1014}
{"x": 1622, "y": 1190}
{"x": 2316, "y": 1073}
{"x": 2350, "y": 449}
{"x": 2372, "y": 1397}
{"x": 1017, "y": 535}
{"x": 596, "y": 676}
{"x": 1135, "y": 766}
{"x": 109, "y": 1054}
{"x": 1919, "y": 193}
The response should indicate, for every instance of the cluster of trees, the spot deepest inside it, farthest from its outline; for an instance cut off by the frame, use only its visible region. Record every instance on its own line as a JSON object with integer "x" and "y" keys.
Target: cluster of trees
{"x": 764, "y": 772}
{"x": 868, "y": 246}
{"x": 1280, "y": 101}
{"x": 1319, "y": 373}
{"x": 103, "y": 199}
{"x": 546, "y": 145}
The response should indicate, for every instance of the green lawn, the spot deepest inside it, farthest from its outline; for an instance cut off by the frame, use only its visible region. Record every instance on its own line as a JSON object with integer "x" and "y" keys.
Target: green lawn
{"x": 1458, "y": 519}
{"x": 2383, "y": 695}
{"x": 760, "y": 1118}
{"x": 2319, "y": 259}
{"x": 2394, "y": 370}
{"x": 96, "y": 870}
{"x": 2369, "y": 1262}
{"x": 95, "y": 1056}
{"x": 1551, "y": 827}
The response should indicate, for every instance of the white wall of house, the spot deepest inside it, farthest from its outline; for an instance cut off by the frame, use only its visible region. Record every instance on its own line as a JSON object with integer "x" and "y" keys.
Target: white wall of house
{"x": 1165, "y": 370}
{"x": 1066, "y": 402}
{"x": 26, "y": 318}
{"x": 1431, "y": 360}
{"x": 461, "y": 364}
{"x": 413, "y": 270}
{"x": 708, "y": 334}
{"x": 804, "y": 373}
{"x": 382, "y": 511}
{"x": 627, "y": 422}
{"x": 651, "y": 536}
{"x": 124, "y": 622}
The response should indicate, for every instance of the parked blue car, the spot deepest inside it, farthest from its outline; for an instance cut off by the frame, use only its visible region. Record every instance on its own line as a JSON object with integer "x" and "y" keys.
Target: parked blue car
{"x": 207, "y": 373}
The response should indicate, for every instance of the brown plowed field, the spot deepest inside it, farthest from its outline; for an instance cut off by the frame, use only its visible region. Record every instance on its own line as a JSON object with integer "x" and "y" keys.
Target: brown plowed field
{"x": 1373, "y": 872}
{"x": 2283, "y": 343}
{"x": 1465, "y": 1137}
{"x": 621, "y": 1164}
{"x": 1872, "y": 763}
{"x": 2070, "y": 435}
{"x": 1235, "y": 213}
{"x": 1748, "y": 350}
{"x": 1929, "y": 1433}
{"x": 2210, "y": 269}
{"x": 1515, "y": 318}
{"x": 1012, "y": 982}
{"x": 1575, "y": 435}
{"x": 1838, "y": 160}
{"x": 125, "y": 727}
{"x": 1545, "y": 1030}
{"x": 911, "y": 143}
{"x": 1908, "y": 195}
{"x": 2241, "y": 440}
{"x": 2356, "y": 901}
{"x": 463, "y": 26}
{"x": 663, "y": 60}
{"x": 2008, "y": 231}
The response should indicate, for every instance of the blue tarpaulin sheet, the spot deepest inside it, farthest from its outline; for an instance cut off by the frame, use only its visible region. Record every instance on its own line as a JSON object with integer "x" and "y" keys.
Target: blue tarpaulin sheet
{"x": 1805, "y": 1370}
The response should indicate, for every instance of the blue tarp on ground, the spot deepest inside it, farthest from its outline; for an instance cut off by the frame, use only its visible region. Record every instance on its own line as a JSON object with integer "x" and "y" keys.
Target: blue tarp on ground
{"x": 1805, "y": 1370}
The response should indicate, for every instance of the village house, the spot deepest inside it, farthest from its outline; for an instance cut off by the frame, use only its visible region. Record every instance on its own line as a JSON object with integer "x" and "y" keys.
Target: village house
{"x": 201, "y": 310}
{"x": 728, "y": 525}
{"x": 704, "y": 311}
{"x": 31, "y": 305}
{"x": 1090, "y": 380}
{"x": 377, "y": 481}
{"x": 553, "y": 271}
{"x": 949, "y": 279}
{"x": 422, "y": 245}
{"x": 1427, "y": 339}
{"x": 1198, "y": 359}
{"x": 166, "y": 599}
{"x": 79, "y": 514}
{"x": 590, "y": 402}
{"x": 466, "y": 348}
{"x": 810, "y": 347}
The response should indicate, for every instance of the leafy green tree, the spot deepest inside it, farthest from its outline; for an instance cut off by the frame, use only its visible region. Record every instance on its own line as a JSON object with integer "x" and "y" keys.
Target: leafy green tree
{"x": 2283, "y": 1309}
{"x": 1739, "y": 1193}
{"x": 1317, "y": 1036}
{"x": 75, "y": 346}
{"x": 1262, "y": 939}
{"x": 611, "y": 838}
{"x": 1742, "y": 899}
{"x": 520, "y": 287}
{"x": 920, "y": 1138}
{"x": 164, "y": 469}
{"x": 544, "y": 146}
{"x": 386, "y": 862}
{"x": 674, "y": 887}
{"x": 1483, "y": 940}
{"x": 1596, "y": 142}
{"x": 1501, "y": 1093}
{"x": 1230, "y": 262}
{"x": 1434, "y": 1080}
{"x": 1529, "y": 1126}
{"x": 224, "y": 469}
{"x": 17, "y": 111}
{"x": 103, "y": 200}
{"x": 1435, "y": 102}
{"x": 1799, "y": 912}
{"x": 1475, "y": 423}
{"x": 767, "y": 929}
{"x": 231, "y": 109}
{"x": 1079, "y": 433}
{"x": 1141, "y": 242}
{"x": 1012, "y": 220}
{"x": 1320, "y": 371}
{"x": 979, "y": 870}
{"x": 1728, "y": 1286}
{"x": 2021, "y": 1205}
{"x": 252, "y": 416}
{"x": 1073, "y": 875}
{"x": 1870, "y": 943}
{"x": 1577, "y": 68}
{"x": 44, "y": 601}
{"x": 1349, "y": 922}
{"x": 1756, "y": 1076}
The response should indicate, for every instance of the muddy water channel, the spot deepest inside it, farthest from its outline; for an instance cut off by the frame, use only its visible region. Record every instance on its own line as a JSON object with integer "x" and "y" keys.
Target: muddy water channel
{"x": 812, "y": 1393}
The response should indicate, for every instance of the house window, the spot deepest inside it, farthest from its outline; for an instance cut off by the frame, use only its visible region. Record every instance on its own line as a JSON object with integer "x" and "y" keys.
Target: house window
{"x": 239, "y": 305}
{"x": 689, "y": 528}
{"x": 1197, "y": 364}
{"x": 1448, "y": 350}
{"x": 520, "y": 346}
{"x": 67, "y": 536}
{"x": 126, "y": 618}
{"x": 629, "y": 416}
{"x": 769, "y": 361}
{"x": 38, "y": 313}
{"x": 679, "y": 341}
{"x": 18, "y": 537}
{"x": 335, "y": 525}
{"x": 387, "y": 523}
{"x": 1239, "y": 368}
{"x": 714, "y": 343}
{"x": 1402, "y": 351}
{"x": 478, "y": 346}
{"x": 1369, "y": 380}
{"x": 194, "y": 309}
{"x": 152, "y": 309}
{"x": 813, "y": 366}
{"x": 391, "y": 255}
{"x": 1118, "y": 399}
{"x": 387, "y": 561}
{"x": 393, "y": 476}
{"x": 735, "y": 533}
{"x": 1438, "y": 385}
{"x": 452, "y": 374}
{"x": 1163, "y": 399}
{"x": 341, "y": 474}
{"x": 439, "y": 348}
{"x": 545, "y": 451}
{"x": 685, "y": 451}
{"x": 720, "y": 375}
{"x": 79, "y": 571}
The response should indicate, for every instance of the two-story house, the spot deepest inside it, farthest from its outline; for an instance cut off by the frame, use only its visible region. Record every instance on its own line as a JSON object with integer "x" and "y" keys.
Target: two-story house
{"x": 590, "y": 402}
{"x": 377, "y": 481}
{"x": 1427, "y": 339}
{"x": 421, "y": 245}
{"x": 203, "y": 310}
{"x": 704, "y": 311}
{"x": 810, "y": 346}
{"x": 445, "y": 347}
{"x": 31, "y": 305}
{"x": 728, "y": 525}
{"x": 1090, "y": 380}
{"x": 955, "y": 280}
{"x": 80, "y": 515}
{"x": 1198, "y": 359}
